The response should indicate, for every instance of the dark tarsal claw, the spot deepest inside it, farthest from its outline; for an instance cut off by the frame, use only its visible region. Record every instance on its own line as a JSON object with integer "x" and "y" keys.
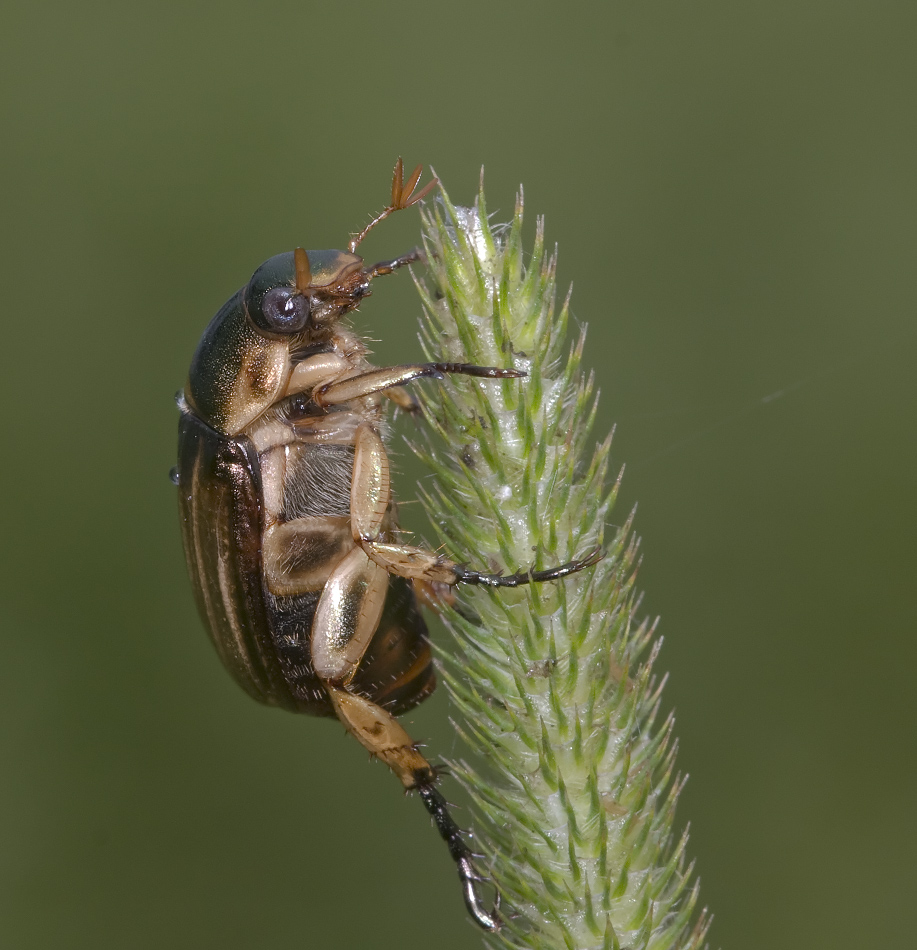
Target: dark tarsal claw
{"x": 488, "y": 920}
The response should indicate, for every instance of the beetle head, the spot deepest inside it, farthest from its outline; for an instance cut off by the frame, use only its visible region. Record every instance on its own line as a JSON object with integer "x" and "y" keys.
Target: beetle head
{"x": 298, "y": 290}
{"x": 290, "y": 291}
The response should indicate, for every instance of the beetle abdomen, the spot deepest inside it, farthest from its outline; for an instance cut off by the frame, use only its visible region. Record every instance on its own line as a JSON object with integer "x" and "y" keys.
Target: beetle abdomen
{"x": 290, "y": 621}
{"x": 397, "y": 669}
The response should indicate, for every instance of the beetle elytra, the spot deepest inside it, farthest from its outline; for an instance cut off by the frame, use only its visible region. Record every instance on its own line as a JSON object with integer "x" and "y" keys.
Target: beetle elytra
{"x": 287, "y": 516}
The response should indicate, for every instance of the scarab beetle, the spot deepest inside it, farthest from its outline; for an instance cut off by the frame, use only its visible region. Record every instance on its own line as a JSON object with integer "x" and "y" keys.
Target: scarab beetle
{"x": 287, "y": 517}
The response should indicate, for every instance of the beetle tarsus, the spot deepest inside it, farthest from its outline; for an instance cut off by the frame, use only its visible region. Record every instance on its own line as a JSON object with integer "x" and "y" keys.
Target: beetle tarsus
{"x": 530, "y": 577}
{"x": 451, "y": 833}
{"x": 484, "y": 372}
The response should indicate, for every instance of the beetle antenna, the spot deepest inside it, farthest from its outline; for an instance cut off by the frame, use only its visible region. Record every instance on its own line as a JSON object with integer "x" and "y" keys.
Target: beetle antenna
{"x": 303, "y": 271}
{"x": 402, "y": 197}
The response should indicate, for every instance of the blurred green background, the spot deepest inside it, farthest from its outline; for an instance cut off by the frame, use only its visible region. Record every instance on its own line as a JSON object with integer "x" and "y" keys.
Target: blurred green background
{"x": 732, "y": 186}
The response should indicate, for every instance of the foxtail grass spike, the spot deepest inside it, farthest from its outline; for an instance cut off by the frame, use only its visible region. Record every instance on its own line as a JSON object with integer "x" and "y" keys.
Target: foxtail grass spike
{"x": 571, "y": 780}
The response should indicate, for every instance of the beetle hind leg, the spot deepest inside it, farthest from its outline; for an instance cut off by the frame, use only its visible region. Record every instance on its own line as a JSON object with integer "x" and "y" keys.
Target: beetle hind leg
{"x": 381, "y": 734}
{"x": 346, "y": 619}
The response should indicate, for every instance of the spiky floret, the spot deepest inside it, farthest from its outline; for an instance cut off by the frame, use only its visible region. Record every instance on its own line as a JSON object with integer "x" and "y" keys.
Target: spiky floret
{"x": 553, "y": 683}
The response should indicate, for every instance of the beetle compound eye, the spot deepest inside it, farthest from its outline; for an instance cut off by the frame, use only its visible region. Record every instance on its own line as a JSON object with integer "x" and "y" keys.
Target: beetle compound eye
{"x": 285, "y": 310}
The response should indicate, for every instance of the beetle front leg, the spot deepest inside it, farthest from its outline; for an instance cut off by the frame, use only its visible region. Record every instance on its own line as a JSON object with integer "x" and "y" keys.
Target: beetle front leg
{"x": 315, "y": 371}
{"x": 388, "y": 267}
{"x": 378, "y": 380}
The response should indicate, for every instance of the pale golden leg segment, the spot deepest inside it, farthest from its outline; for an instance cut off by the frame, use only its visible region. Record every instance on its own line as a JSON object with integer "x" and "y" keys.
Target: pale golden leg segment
{"x": 380, "y": 733}
{"x": 402, "y": 399}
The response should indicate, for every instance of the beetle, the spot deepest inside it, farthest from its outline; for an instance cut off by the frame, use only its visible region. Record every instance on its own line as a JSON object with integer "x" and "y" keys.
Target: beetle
{"x": 287, "y": 515}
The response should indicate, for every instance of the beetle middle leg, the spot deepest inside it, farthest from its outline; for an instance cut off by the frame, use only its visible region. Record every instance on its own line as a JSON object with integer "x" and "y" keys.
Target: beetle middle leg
{"x": 370, "y": 498}
{"x": 371, "y": 494}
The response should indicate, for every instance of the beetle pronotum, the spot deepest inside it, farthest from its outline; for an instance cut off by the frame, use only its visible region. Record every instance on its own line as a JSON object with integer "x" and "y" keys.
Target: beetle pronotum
{"x": 287, "y": 516}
